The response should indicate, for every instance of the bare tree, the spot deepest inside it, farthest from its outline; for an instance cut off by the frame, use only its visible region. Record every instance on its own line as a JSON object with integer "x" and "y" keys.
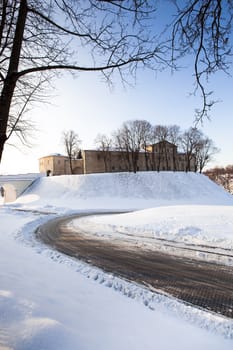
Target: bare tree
{"x": 131, "y": 138}
{"x": 199, "y": 149}
{"x": 204, "y": 152}
{"x": 222, "y": 176}
{"x": 190, "y": 140}
{"x": 105, "y": 145}
{"x": 175, "y": 138}
{"x": 41, "y": 37}
{"x": 145, "y": 136}
{"x": 121, "y": 145}
{"x": 161, "y": 133}
{"x": 202, "y": 29}
{"x": 72, "y": 143}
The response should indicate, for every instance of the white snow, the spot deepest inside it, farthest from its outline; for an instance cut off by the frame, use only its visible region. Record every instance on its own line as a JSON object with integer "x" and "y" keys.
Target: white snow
{"x": 196, "y": 224}
{"x": 50, "y": 301}
{"x": 124, "y": 191}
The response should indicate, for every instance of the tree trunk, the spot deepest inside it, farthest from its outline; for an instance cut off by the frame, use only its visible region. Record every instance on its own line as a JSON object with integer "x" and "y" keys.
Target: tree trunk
{"x": 174, "y": 159}
{"x": 71, "y": 165}
{"x": 105, "y": 157}
{"x": 11, "y": 78}
{"x": 135, "y": 161}
{"x": 147, "y": 161}
{"x": 3, "y": 20}
{"x": 159, "y": 158}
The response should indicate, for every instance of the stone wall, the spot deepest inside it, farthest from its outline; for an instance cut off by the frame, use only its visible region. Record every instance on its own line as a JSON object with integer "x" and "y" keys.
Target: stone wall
{"x": 59, "y": 165}
{"x": 162, "y": 156}
{"x": 116, "y": 161}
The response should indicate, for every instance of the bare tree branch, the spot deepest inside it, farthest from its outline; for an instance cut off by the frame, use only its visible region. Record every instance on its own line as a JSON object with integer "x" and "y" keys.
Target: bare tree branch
{"x": 43, "y": 36}
{"x": 202, "y": 29}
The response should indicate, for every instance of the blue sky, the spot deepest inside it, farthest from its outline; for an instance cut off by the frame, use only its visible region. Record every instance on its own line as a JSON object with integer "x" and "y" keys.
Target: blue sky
{"x": 88, "y": 106}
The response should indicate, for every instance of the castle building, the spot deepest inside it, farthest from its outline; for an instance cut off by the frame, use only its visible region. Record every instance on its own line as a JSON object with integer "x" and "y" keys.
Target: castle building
{"x": 162, "y": 156}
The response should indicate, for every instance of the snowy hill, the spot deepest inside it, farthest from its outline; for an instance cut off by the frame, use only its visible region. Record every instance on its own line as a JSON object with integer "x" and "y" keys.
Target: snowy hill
{"x": 125, "y": 191}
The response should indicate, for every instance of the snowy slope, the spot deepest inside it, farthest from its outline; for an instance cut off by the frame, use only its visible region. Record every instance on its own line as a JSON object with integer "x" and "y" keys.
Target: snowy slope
{"x": 125, "y": 190}
{"x": 51, "y": 301}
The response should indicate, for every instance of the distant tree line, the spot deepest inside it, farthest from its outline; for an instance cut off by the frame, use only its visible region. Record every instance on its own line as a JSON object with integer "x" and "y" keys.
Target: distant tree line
{"x": 222, "y": 176}
{"x": 135, "y": 136}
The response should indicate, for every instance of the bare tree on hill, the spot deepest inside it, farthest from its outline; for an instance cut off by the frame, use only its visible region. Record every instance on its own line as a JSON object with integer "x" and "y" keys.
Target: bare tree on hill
{"x": 175, "y": 138}
{"x": 204, "y": 152}
{"x": 190, "y": 141}
{"x": 197, "y": 148}
{"x": 132, "y": 138}
{"x": 71, "y": 142}
{"x": 161, "y": 133}
{"x": 105, "y": 144}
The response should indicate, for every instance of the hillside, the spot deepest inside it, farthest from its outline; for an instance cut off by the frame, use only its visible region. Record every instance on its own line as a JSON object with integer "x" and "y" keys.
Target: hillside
{"x": 124, "y": 190}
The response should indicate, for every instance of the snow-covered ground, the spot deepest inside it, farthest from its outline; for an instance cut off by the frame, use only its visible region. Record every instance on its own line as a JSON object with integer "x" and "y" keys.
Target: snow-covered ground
{"x": 195, "y": 224}
{"x": 49, "y": 301}
{"x": 123, "y": 191}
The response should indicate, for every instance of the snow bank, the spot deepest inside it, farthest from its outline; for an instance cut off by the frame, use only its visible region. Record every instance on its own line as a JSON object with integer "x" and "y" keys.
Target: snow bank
{"x": 196, "y": 224}
{"x": 124, "y": 191}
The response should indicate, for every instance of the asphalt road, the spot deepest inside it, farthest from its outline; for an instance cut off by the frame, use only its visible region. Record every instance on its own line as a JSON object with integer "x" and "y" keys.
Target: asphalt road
{"x": 203, "y": 284}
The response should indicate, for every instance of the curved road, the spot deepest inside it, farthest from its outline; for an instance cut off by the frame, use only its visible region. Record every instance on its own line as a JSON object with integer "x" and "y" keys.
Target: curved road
{"x": 205, "y": 285}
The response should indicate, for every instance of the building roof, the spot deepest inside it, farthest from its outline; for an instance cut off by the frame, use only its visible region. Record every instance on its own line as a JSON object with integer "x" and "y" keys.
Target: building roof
{"x": 53, "y": 155}
{"x": 164, "y": 141}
